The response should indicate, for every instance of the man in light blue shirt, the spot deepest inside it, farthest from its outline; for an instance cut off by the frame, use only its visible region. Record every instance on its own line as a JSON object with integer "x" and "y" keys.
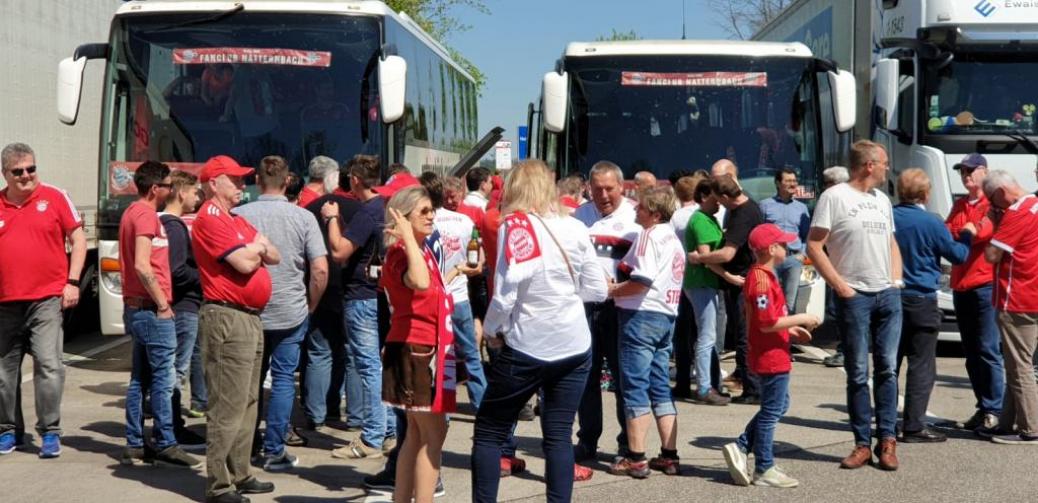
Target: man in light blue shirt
{"x": 791, "y": 216}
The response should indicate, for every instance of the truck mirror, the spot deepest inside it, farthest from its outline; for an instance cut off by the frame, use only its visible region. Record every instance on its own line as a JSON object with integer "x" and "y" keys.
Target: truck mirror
{"x": 70, "y": 85}
{"x": 392, "y": 87}
{"x": 845, "y": 97}
{"x": 555, "y": 93}
{"x": 886, "y": 89}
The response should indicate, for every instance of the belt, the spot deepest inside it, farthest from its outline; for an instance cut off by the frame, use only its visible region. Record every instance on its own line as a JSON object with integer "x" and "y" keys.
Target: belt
{"x": 236, "y": 307}
{"x": 140, "y": 303}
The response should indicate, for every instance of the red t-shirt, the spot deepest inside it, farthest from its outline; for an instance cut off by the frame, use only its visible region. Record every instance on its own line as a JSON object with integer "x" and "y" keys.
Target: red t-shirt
{"x": 216, "y": 234}
{"x": 417, "y": 315}
{"x": 1016, "y": 288}
{"x": 764, "y": 305}
{"x": 975, "y": 271}
{"x": 142, "y": 220}
{"x": 307, "y": 196}
{"x": 33, "y": 261}
{"x": 476, "y": 214}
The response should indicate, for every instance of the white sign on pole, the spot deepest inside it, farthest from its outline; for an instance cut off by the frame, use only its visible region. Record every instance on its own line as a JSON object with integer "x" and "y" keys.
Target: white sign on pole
{"x": 503, "y": 155}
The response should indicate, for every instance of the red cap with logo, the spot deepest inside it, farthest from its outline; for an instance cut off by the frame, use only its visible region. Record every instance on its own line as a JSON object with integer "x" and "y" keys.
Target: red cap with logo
{"x": 222, "y": 165}
{"x": 765, "y": 235}
{"x": 396, "y": 183}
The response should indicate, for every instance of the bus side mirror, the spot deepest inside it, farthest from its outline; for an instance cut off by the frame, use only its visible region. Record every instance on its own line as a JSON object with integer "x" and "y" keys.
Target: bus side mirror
{"x": 392, "y": 87}
{"x": 556, "y": 101}
{"x": 886, "y": 89}
{"x": 70, "y": 85}
{"x": 845, "y": 96}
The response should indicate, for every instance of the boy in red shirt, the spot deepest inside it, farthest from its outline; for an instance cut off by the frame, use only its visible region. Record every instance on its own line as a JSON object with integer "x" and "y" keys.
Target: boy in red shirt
{"x": 770, "y": 331}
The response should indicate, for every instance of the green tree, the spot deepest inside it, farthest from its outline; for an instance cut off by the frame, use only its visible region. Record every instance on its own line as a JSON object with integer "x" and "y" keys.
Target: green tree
{"x": 438, "y": 18}
{"x": 618, "y": 36}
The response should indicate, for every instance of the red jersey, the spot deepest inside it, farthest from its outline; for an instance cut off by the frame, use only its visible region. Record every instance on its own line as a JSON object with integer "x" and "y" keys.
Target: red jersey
{"x": 975, "y": 271}
{"x": 1016, "y": 285}
{"x": 764, "y": 305}
{"x": 419, "y": 317}
{"x": 491, "y": 223}
{"x": 33, "y": 260}
{"x": 307, "y": 196}
{"x": 216, "y": 234}
{"x": 142, "y": 220}
{"x": 476, "y": 214}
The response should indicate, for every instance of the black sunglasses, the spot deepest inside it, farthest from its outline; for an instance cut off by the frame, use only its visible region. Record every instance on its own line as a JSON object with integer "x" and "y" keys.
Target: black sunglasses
{"x": 22, "y": 171}
{"x": 164, "y": 185}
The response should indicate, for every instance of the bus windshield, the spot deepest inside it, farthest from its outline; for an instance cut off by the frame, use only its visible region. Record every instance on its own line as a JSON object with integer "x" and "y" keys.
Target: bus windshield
{"x": 667, "y": 113}
{"x": 982, "y": 93}
{"x": 182, "y": 88}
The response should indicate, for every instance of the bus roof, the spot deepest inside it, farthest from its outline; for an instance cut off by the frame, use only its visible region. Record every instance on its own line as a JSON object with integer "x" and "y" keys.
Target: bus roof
{"x": 687, "y": 47}
{"x": 354, "y": 7}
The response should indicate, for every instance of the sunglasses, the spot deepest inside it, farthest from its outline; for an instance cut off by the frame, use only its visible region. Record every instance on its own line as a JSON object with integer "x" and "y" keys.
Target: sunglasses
{"x": 22, "y": 171}
{"x": 425, "y": 211}
{"x": 164, "y": 185}
{"x": 966, "y": 170}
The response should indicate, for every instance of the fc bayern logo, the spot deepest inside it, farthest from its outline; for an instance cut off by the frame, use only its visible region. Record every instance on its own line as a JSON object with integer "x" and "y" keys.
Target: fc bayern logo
{"x": 41, "y": 206}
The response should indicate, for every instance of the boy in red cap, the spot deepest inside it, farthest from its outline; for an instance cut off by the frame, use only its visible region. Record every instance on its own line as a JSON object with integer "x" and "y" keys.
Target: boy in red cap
{"x": 770, "y": 331}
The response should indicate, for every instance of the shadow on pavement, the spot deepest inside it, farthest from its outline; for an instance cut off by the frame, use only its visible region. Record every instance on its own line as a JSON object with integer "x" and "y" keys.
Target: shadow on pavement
{"x": 113, "y": 429}
{"x": 947, "y": 381}
{"x": 838, "y": 407}
{"x": 815, "y": 423}
{"x": 183, "y": 482}
{"x": 332, "y": 477}
{"x": 114, "y": 388}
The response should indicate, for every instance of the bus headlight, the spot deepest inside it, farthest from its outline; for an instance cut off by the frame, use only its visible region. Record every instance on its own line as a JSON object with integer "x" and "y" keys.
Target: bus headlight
{"x": 111, "y": 276}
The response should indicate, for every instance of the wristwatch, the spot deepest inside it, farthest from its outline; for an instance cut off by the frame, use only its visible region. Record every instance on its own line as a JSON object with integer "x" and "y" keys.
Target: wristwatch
{"x": 72, "y": 281}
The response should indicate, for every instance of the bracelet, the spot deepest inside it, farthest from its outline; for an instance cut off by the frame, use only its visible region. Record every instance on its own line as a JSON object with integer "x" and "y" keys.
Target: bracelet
{"x": 72, "y": 281}
{"x": 329, "y": 219}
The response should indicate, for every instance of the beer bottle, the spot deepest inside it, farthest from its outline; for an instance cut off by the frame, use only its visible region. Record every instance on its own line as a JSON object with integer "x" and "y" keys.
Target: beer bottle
{"x": 472, "y": 251}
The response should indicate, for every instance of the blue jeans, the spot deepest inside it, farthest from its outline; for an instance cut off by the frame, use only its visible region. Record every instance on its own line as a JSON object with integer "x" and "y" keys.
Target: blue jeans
{"x": 708, "y": 307}
{"x": 281, "y": 358}
{"x": 605, "y": 345}
{"x": 361, "y": 317}
{"x": 982, "y": 344}
{"x": 466, "y": 351}
{"x": 154, "y": 345}
{"x": 760, "y": 431}
{"x": 645, "y": 363}
{"x": 186, "y": 324}
{"x": 871, "y": 319}
{"x": 512, "y": 379}
{"x": 199, "y": 393}
{"x": 788, "y": 274}
{"x": 325, "y": 366}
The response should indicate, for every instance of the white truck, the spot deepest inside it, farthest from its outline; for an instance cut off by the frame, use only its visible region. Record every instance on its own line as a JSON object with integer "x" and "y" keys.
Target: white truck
{"x": 937, "y": 79}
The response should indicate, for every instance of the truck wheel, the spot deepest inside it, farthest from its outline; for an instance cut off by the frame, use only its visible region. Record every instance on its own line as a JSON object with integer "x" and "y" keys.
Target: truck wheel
{"x": 86, "y": 317}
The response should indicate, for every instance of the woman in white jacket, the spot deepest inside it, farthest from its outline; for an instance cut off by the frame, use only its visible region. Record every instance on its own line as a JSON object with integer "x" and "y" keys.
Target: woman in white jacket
{"x": 546, "y": 270}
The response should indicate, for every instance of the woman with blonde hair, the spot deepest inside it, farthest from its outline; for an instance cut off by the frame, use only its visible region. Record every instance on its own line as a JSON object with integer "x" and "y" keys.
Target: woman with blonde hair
{"x": 418, "y": 361}
{"x": 546, "y": 270}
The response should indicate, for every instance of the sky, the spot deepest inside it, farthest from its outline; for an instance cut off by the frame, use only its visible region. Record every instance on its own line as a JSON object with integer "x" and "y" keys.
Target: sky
{"x": 520, "y": 40}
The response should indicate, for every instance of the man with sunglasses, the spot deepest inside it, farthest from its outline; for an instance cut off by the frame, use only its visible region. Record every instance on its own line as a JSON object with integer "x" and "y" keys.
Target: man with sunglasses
{"x": 40, "y": 279}
{"x": 971, "y": 284}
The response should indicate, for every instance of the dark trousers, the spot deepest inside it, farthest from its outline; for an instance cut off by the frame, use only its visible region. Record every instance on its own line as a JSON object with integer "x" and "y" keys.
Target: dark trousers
{"x": 920, "y": 324}
{"x": 982, "y": 345}
{"x": 605, "y": 336}
{"x": 735, "y": 330}
{"x": 512, "y": 379}
{"x": 684, "y": 337}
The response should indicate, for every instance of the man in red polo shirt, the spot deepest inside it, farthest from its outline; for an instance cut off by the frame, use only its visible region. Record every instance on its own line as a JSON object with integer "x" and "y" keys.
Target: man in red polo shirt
{"x": 231, "y": 257}
{"x": 37, "y": 281}
{"x": 1014, "y": 252}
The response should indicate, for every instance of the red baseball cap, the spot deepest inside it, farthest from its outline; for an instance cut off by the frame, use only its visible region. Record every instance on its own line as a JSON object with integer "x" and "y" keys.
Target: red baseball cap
{"x": 765, "y": 235}
{"x": 222, "y": 165}
{"x": 396, "y": 183}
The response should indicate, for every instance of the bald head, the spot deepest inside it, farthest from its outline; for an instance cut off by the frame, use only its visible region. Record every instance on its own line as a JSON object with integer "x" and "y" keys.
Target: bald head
{"x": 724, "y": 167}
{"x": 644, "y": 180}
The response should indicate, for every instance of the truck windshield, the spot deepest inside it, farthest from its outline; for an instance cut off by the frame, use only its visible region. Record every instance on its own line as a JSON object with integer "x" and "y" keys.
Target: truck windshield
{"x": 982, "y": 93}
{"x": 247, "y": 86}
{"x": 667, "y": 113}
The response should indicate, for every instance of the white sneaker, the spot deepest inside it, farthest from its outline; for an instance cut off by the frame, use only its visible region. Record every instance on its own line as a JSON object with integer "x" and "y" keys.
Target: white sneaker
{"x": 736, "y": 460}
{"x": 775, "y": 478}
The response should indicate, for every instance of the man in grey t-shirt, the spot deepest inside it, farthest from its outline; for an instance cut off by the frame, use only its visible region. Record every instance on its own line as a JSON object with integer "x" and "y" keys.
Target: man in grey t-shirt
{"x": 285, "y": 320}
{"x": 851, "y": 244}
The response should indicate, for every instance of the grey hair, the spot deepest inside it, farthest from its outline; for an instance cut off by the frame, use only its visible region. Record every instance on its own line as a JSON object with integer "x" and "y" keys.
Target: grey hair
{"x": 998, "y": 179}
{"x": 321, "y": 166}
{"x": 13, "y": 152}
{"x": 601, "y": 167}
{"x": 835, "y": 175}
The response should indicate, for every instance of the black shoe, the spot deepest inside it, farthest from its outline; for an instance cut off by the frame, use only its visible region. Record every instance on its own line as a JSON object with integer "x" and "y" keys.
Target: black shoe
{"x": 175, "y": 456}
{"x": 315, "y": 427}
{"x": 137, "y": 455}
{"x": 745, "y": 399}
{"x": 924, "y": 436}
{"x": 526, "y": 414}
{"x": 253, "y": 486}
{"x": 228, "y": 497}
{"x": 381, "y": 481}
{"x": 682, "y": 393}
{"x": 835, "y": 360}
{"x": 189, "y": 440}
{"x": 582, "y": 452}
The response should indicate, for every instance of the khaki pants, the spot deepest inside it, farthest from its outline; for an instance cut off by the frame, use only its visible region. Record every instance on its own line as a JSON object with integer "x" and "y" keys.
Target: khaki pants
{"x": 1019, "y": 338}
{"x": 232, "y": 353}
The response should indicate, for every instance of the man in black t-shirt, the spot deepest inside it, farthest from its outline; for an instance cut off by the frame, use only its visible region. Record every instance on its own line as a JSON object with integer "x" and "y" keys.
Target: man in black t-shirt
{"x": 736, "y": 257}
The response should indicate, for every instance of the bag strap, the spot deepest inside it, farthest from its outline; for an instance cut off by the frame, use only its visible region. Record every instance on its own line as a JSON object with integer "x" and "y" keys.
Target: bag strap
{"x": 562, "y": 250}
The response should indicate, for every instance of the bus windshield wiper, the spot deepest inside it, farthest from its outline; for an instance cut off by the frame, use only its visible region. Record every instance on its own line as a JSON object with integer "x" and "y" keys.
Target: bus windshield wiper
{"x": 1023, "y": 140}
{"x": 208, "y": 19}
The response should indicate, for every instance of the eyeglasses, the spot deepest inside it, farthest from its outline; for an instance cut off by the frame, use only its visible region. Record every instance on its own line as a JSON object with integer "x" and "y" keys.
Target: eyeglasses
{"x": 424, "y": 212}
{"x": 22, "y": 171}
{"x": 164, "y": 185}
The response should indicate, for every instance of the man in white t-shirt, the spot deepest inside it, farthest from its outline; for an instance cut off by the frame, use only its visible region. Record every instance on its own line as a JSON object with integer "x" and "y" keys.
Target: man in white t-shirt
{"x": 610, "y": 218}
{"x": 478, "y": 181}
{"x": 852, "y": 245}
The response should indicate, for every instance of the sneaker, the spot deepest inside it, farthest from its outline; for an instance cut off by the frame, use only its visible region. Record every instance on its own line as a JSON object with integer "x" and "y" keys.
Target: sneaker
{"x": 511, "y": 465}
{"x": 735, "y": 458}
{"x": 1019, "y": 439}
{"x": 666, "y": 465}
{"x": 315, "y": 427}
{"x": 526, "y": 414}
{"x": 7, "y": 442}
{"x": 979, "y": 419}
{"x": 835, "y": 360}
{"x": 996, "y": 431}
{"x": 294, "y": 439}
{"x": 712, "y": 397}
{"x": 582, "y": 473}
{"x": 253, "y": 486}
{"x": 175, "y": 456}
{"x": 746, "y": 399}
{"x": 196, "y": 412}
{"x": 357, "y": 449}
{"x": 381, "y": 481}
{"x": 281, "y": 462}
{"x": 388, "y": 444}
{"x": 774, "y": 478}
{"x": 189, "y": 440}
{"x": 440, "y": 491}
{"x": 634, "y": 469}
{"x": 137, "y": 455}
{"x": 51, "y": 447}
